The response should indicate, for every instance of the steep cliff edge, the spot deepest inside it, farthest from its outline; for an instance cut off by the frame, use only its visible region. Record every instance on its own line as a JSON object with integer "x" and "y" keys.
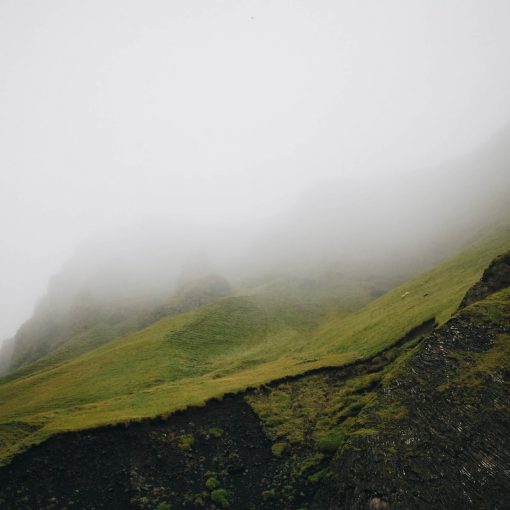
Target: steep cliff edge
{"x": 440, "y": 427}
{"x": 495, "y": 277}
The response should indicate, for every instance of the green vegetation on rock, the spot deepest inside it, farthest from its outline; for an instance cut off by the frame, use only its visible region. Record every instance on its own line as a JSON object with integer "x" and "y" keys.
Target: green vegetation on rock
{"x": 220, "y": 497}
{"x": 186, "y": 442}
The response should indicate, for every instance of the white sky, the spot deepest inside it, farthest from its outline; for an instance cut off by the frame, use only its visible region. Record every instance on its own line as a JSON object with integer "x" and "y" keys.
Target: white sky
{"x": 112, "y": 111}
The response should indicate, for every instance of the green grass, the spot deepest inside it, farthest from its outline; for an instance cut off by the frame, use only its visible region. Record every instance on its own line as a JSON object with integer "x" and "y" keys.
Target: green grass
{"x": 227, "y": 346}
{"x": 436, "y": 293}
{"x": 53, "y": 337}
{"x": 312, "y": 409}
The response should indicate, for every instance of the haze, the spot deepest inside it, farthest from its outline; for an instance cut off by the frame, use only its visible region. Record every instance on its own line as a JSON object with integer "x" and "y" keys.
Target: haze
{"x": 225, "y": 124}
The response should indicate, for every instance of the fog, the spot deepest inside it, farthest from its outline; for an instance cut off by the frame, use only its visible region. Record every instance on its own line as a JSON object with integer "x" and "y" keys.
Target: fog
{"x": 143, "y": 143}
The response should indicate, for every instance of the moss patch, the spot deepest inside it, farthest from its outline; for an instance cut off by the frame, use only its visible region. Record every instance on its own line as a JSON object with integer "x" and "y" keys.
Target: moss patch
{"x": 186, "y": 442}
{"x": 278, "y": 449}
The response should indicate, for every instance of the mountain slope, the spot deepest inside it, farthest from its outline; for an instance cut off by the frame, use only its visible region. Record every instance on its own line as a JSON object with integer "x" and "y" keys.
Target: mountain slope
{"x": 397, "y": 227}
{"x": 421, "y": 425}
{"x": 224, "y": 347}
{"x": 64, "y": 327}
{"x": 439, "y": 429}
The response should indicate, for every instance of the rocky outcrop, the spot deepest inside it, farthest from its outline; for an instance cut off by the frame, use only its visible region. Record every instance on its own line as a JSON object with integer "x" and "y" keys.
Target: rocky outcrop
{"x": 440, "y": 428}
{"x": 495, "y": 277}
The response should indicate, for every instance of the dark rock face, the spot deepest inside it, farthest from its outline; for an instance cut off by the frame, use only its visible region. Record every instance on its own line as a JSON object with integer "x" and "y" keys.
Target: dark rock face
{"x": 495, "y": 277}
{"x": 148, "y": 464}
{"x": 441, "y": 427}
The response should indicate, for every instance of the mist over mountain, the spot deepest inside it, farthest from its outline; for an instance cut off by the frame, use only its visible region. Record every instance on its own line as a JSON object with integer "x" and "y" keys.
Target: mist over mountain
{"x": 382, "y": 231}
{"x": 254, "y": 255}
{"x": 395, "y": 225}
{"x": 382, "y": 222}
{"x": 226, "y": 113}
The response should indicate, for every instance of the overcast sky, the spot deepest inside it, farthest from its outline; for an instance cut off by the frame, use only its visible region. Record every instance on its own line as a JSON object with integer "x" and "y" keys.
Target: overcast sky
{"x": 114, "y": 111}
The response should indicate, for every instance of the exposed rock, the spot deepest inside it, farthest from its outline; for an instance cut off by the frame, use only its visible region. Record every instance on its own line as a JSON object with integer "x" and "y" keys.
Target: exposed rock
{"x": 495, "y": 277}
{"x": 143, "y": 465}
{"x": 441, "y": 423}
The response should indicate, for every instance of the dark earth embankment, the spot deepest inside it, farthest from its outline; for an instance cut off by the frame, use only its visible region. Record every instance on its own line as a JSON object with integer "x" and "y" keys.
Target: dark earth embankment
{"x": 146, "y": 464}
{"x": 495, "y": 277}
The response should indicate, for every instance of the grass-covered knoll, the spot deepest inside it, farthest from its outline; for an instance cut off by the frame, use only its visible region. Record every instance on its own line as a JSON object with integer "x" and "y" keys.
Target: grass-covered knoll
{"x": 63, "y": 328}
{"x": 223, "y": 347}
{"x": 331, "y": 293}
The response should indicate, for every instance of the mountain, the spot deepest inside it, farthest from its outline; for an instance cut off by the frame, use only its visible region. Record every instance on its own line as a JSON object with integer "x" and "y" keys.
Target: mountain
{"x": 422, "y": 423}
{"x": 352, "y": 354}
{"x": 374, "y": 234}
{"x": 226, "y": 346}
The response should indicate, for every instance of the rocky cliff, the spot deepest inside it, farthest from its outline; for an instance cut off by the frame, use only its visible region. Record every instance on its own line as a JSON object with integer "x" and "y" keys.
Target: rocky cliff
{"x": 441, "y": 424}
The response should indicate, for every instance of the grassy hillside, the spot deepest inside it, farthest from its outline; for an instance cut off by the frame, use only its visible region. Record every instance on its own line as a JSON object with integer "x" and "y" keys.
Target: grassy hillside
{"x": 223, "y": 347}
{"x": 61, "y": 331}
{"x": 436, "y": 293}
